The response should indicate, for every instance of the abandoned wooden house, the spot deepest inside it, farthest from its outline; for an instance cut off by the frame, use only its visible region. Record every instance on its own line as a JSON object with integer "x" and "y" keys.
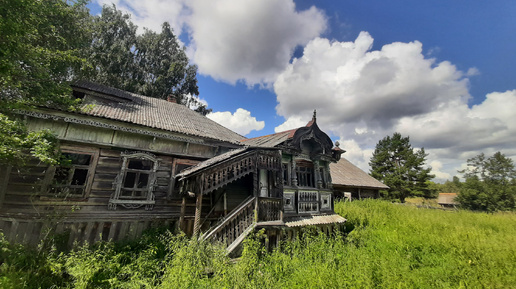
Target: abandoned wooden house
{"x": 137, "y": 162}
{"x": 352, "y": 183}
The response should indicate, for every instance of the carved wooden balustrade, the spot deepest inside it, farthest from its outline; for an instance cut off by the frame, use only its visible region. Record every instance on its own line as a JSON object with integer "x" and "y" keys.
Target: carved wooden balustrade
{"x": 308, "y": 202}
{"x": 232, "y": 229}
{"x": 220, "y": 176}
{"x": 269, "y": 209}
{"x": 269, "y": 160}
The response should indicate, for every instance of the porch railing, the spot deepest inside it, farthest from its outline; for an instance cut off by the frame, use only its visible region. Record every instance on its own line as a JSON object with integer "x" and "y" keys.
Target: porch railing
{"x": 308, "y": 202}
{"x": 269, "y": 209}
{"x": 235, "y": 226}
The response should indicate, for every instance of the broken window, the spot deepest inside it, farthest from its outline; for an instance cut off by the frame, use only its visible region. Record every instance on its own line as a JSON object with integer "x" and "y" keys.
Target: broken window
{"x": 135, "y": 183}
{"x": 72, "y": 177}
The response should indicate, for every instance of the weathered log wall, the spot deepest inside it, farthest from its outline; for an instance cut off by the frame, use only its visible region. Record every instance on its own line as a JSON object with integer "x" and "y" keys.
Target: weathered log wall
{"x": 28, "y": 215}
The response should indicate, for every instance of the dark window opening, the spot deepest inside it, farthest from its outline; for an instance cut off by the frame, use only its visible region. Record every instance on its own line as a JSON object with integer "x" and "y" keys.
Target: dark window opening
{"x": 180, "y": 167}
{"x": 71, "y": 177}
{"x": 323, "y": 177}
{"x": 305, "y": 176}
{"x": 136, "y": 178}
{"x": 144, "y": 165}
{"x": 78, "y": 94}
{"x": 285, "y": 174}
{"x": 143, "y": 181}
{"x": 79, "y": 177}
{"x": 130, "y": 178}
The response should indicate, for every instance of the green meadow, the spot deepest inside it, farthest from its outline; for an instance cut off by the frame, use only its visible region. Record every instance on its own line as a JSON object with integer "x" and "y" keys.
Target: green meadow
{"x": 385, "y": 246}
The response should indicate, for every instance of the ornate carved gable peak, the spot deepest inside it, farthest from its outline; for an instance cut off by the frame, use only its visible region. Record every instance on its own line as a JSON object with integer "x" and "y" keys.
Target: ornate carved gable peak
{"x": 313, "y": 138}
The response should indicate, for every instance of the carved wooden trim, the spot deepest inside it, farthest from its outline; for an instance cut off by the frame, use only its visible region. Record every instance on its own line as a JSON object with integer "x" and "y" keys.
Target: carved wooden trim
{"x": 117, "y": 199}
{"x": 108, "y": 126}
{"x": 215, "y": 177}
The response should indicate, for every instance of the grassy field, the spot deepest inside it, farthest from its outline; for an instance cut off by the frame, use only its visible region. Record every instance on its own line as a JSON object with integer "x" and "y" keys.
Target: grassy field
{"x": 388, "y": 246}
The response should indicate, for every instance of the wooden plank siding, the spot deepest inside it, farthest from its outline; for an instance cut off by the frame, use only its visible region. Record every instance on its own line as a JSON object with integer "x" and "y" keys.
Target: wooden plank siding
{"x": 29, "y": 215}
{"x": 34, "y": 231}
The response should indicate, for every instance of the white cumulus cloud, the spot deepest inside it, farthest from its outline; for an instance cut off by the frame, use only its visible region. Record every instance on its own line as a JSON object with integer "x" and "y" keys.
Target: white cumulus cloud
{"x": 362, "y": 95}
{"x": 241, "y": 121}
{"x": 250, "y": 40}
{"x": 152, "y": 13}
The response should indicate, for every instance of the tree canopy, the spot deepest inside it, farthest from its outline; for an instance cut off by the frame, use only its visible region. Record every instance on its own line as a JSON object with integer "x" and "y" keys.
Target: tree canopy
{"x": 399, "y": 166}
{"x": 490, "y": 183}
{"x": 45, "y": 45}
{"x": 152, "y": 64}
{"x": 40, "y": 50}
{"x": 41, "y": 47}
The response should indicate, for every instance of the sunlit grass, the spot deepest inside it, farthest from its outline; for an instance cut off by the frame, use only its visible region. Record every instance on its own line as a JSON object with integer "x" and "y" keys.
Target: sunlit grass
{"x": 389, "y": 246}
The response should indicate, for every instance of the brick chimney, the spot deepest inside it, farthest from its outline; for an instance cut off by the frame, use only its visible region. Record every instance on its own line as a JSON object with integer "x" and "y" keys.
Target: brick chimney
{"x": 171, "y": 98}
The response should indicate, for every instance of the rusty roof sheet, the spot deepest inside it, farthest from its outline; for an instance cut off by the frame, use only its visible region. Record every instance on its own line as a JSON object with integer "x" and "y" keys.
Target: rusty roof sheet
{"x": 347, "y": 174}
{"x": 270, "y": 140}
{"x": 157, "y": 113}
{"x": 314, "y": 220}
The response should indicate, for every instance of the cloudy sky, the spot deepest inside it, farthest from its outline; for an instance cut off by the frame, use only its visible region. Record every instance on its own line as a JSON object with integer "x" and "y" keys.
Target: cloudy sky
{"x": 442, "y": 72}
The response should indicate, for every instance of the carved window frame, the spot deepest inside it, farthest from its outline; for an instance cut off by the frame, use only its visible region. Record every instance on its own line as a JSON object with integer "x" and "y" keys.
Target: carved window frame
{"x": 147, "y": 191}
{"x": 52, "y": 190}
{"x": 326, "y": 201}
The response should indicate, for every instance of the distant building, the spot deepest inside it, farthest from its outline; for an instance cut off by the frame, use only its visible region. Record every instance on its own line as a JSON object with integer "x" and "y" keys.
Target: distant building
{"x": 447, "y": 200}
{"x": 351, "y": 182}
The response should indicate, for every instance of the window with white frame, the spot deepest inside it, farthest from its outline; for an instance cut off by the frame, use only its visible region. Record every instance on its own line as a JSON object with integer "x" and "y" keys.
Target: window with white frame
{"x": 135, "y": 183}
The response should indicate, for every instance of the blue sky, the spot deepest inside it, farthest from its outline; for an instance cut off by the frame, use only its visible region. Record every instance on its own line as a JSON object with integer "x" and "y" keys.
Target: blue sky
{"x": 441, "y": 72}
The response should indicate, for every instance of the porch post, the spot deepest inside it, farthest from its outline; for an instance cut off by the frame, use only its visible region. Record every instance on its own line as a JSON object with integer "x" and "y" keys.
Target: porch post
{"x": 182, "y": 214}
{"x": 225, "y": 204}
{"x": 197, "y": 220}
{"x": 317, "y": 174}
{"x": 293, "y": 173}
{"x": 4, "y": 178}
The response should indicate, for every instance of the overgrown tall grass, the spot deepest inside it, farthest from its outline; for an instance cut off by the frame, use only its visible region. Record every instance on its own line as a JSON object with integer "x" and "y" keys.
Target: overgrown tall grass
{"x": 389, "y": 246}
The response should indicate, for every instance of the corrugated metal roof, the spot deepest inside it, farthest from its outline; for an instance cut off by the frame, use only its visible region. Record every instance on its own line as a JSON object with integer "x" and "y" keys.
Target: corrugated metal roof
{"x": 270, "y": 140}
{"x": 157, "y": 113}
{"x": 314, "y": 220}
{"x": 102, "y": 89}
{"x": 209, "y": 162}
{"x": 347, "y": 174}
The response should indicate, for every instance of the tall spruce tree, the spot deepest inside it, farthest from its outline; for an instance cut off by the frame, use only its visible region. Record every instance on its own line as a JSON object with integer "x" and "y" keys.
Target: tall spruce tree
{"x": 396, "y": 164}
